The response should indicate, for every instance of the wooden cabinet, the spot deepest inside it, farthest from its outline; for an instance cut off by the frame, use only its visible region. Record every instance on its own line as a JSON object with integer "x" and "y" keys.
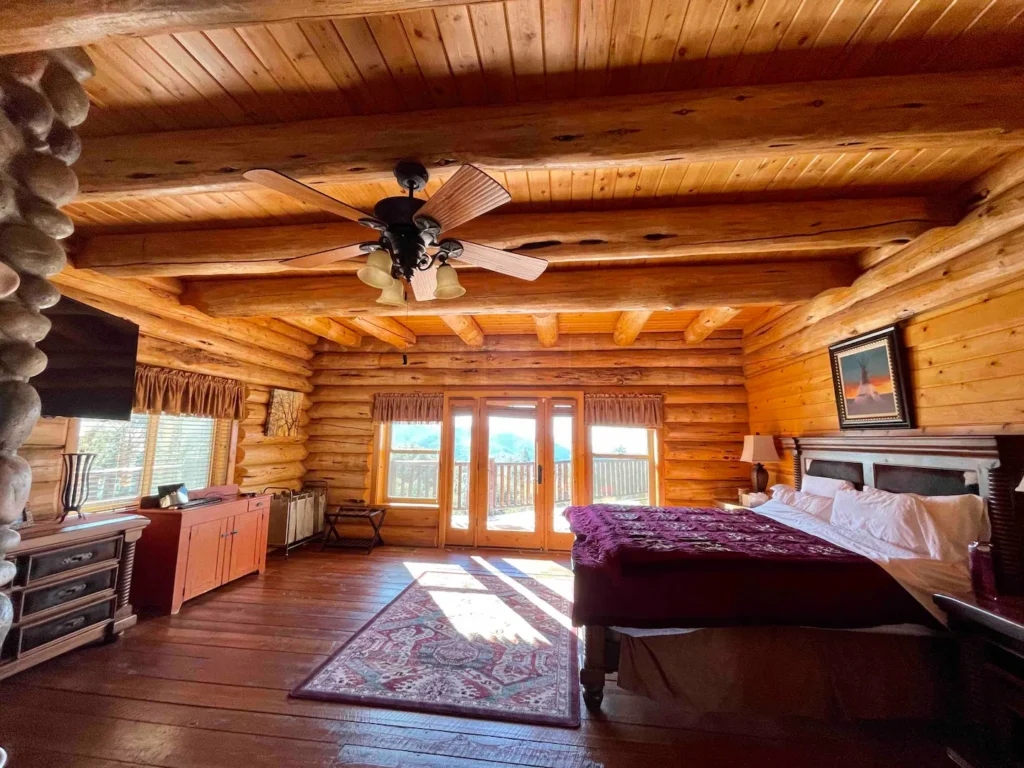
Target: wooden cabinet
{"x": 71, "y": 587}
{"x": 192, "y": 551}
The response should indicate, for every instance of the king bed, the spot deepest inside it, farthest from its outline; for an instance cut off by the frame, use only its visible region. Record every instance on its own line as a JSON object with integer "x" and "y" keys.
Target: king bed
{"x": 662, "y": 582}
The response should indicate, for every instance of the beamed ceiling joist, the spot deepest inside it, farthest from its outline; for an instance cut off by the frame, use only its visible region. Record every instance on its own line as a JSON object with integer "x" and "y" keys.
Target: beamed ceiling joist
{"x": 488, "y": 293}
{"x": 981, "y": 108}
{"x": 30, "y": 25}
{"x": 567, "y": 236}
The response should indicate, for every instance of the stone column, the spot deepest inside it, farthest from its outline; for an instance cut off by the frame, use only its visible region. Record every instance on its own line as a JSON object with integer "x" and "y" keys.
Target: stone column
{"x": 41, "y": 102}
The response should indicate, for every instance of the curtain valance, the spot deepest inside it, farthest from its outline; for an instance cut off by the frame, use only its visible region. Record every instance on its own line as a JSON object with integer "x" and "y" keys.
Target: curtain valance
{"x": 623, "y": 410}
{"x": 421, "y": 409}
{"x": 183, "y": 393}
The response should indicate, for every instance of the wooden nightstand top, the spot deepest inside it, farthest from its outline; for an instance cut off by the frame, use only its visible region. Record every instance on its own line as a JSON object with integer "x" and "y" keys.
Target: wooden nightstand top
{"x": 1004, "y": 616}
{"x": 730, "y": 505}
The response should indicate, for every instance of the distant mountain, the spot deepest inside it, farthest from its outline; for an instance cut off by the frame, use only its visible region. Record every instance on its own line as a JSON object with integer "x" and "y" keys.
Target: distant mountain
{"x": 508, "y": 448}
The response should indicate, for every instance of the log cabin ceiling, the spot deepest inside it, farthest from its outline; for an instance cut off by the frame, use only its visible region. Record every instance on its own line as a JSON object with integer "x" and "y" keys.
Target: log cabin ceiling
{"x": 191, "y": 72}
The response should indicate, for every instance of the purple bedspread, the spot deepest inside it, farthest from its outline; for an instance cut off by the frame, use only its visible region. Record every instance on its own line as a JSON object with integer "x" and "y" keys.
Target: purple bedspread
{"x": 698, "y": 567}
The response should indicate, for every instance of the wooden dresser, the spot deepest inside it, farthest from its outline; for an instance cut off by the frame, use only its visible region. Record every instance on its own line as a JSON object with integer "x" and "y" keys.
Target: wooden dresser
{"x": 71, "y": 587}
{"x": 187, "y": 552}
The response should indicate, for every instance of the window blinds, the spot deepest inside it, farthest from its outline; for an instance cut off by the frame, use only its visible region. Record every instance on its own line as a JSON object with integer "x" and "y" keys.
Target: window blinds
{"x": 120, "y": 448}
{"x": 183, "y": 452}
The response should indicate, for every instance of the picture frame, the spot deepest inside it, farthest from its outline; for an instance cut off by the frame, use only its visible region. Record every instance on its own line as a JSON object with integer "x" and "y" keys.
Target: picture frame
{"x": 869, "y": 375}
{"x": 283, "y": 413}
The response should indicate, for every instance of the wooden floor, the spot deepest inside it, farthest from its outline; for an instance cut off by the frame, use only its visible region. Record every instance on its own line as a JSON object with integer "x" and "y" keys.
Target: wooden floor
{"x": 209, "y": 687}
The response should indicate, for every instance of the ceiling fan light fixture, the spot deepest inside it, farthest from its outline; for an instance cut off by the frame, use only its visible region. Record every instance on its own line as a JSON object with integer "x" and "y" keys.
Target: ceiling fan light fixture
{"x": 448, "y": 286}
{"x": 393, "y": 295}
{"x": 377, "y": 272}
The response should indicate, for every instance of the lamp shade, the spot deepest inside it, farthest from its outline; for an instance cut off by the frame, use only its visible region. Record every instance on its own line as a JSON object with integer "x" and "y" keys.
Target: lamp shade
{"x": 758, "y": 449}
{"x": 1020, "y": 488}
{"x": 393, "y": 295}
{"x": 448, "y": 286}
{"x": 377, "y": 272}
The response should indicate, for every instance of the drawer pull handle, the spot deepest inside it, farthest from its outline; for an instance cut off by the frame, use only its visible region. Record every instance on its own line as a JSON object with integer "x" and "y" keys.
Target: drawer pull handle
{"x": 74, "y": 589}
{"x": 81, "y": 557}
{"x": 74, "y": 623}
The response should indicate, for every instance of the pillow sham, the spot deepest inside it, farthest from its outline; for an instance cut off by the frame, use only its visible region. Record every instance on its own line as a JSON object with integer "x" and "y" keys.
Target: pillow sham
{"x": 819, "y": 506}
{"x": 897, "y": 518}
{"x": 961, "y": 520}
{"x": 824, "y": 486}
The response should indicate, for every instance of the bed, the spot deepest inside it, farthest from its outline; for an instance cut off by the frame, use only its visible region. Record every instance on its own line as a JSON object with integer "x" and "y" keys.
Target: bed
{"x": 773, "y": 576}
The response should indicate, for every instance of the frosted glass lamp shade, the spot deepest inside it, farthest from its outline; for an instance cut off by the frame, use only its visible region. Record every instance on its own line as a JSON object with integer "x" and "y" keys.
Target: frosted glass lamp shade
{"x": 393, "y": 295}
{"x": 758, "y": 449}
{"x": 448, "y": 286}
{"x": 377, "y": 272}
{"x": 1020, "y": 488}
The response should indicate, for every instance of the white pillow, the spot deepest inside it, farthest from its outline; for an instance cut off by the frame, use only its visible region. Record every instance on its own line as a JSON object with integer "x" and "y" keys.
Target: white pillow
{"x": 897, "y": 518}
{"x": 960, "y": 519}
{"x": 824, "y": 486}
{"x": 819, "y": 506}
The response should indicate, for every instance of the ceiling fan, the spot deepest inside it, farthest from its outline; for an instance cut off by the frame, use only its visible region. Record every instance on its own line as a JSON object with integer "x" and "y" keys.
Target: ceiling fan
{"x": 408, "y": 247}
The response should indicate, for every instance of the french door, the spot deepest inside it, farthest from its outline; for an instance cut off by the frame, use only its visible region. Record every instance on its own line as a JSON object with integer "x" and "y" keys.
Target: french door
{"x": 512, "y": 468}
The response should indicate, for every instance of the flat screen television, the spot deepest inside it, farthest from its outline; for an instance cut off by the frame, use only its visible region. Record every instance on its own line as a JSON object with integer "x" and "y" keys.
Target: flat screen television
{"x": 91, "y": 369}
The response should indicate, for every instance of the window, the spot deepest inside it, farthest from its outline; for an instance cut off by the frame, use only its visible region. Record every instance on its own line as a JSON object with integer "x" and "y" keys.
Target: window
{"x": 625, "y": 465}
{"x": 412, "y": 454}
{"x": 134, "y": 458}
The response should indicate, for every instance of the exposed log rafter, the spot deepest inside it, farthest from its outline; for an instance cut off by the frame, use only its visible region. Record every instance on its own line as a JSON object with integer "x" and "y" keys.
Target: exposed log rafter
{"x": 327, "y": 329}
{"x": 547, "y": 329}
{"x": 628, "y": 326}
{"x": 466, "y": 328}
{"x": 707, "y": 322}
{"x": 386, "y": 329}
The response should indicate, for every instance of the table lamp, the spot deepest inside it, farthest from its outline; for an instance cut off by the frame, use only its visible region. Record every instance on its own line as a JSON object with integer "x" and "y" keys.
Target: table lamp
{"x": 758, "y": 449}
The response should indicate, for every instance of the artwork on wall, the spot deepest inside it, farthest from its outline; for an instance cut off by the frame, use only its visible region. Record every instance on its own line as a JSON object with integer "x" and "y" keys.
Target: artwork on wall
{"x": 869, "y": 375}
{"x": 283, "y": 413}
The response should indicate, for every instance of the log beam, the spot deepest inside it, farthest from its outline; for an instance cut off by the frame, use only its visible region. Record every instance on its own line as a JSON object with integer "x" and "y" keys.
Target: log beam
{"x": 30, "y": 26}
{"x": 628, "y": 326}
{"x": 707, "y": 322}
{"x": 563, "y": 236}
{"x": 547, "y": 329}
{"x": 979, "y": 108}
{"x": 990, "y": 220}
{"x": 466, "y": 328}
{"x": 386, "y": 329}
{"x": 327, "y": 329}
{"x": 650, "y": 288}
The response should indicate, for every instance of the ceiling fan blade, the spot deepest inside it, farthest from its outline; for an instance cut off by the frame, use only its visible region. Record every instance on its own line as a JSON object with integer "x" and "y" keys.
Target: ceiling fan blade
{"x": 323, "y": 258}
{"x": 424, "y": 283}
{"x": 466, "y": 195}
{"x": 505, "y": 262}
{"x": 289, "y": 186}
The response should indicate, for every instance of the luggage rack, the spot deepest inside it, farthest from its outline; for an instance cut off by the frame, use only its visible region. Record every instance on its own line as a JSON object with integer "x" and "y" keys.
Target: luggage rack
{"x": 296, "y": 517}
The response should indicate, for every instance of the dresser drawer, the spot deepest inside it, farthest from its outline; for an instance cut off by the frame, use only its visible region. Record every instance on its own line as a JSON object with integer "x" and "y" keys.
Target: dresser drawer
{"x": 263, "y": 502}
{"x": 24, "y": 640}
{"x": 36, "y": 567}
{"x": 33, "y": 601}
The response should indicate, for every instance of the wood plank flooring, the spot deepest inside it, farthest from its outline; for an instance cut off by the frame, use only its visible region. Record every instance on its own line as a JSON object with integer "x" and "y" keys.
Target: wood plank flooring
{"x": 209, "y": 687}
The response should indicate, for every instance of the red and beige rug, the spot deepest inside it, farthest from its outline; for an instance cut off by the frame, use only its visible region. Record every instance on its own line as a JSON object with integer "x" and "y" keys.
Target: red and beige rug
{"x": 461, "y": 644}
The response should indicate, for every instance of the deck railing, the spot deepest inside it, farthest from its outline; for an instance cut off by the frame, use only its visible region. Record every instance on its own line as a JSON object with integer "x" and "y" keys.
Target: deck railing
{"x": 512, "y": 484}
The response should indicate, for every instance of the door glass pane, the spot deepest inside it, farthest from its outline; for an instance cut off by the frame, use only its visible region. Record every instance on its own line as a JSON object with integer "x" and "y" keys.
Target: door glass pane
{"x": 621, "y": 465}
{"x": 120, "y": 448}
{"x": 460, "y": 470}
{"x": 413, "y": 461}
{"x": 562, "y": 431}
{"x": 511, "y": 469}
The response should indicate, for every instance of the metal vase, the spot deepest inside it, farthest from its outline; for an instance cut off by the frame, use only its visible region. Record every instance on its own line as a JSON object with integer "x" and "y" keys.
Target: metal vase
{"x": 75, "y": 491}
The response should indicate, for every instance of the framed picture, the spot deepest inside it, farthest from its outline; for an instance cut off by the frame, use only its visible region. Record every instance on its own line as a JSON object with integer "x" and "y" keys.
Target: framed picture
{"x": 283, "y": 413}
{"x": 869, "y": 375}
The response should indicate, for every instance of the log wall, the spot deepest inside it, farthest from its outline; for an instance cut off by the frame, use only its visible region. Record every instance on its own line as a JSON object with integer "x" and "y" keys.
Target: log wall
{"x": 966, "y": 365}
{"x": 706, "y": 409}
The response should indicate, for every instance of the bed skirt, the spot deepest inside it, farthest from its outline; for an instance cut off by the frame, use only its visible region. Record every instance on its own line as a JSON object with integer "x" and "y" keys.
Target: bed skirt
{"x": 781, "y": 671}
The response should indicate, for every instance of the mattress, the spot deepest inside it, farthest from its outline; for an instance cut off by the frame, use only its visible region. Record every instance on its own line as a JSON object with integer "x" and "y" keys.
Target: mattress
{"x": 702, "y": 567}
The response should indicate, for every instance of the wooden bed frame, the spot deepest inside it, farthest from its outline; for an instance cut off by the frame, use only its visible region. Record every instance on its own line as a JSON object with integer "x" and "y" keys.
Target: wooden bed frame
{"x": 932, "y": 466}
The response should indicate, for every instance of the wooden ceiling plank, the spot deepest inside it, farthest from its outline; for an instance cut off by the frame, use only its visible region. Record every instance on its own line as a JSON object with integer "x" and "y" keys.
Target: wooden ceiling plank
{"x": 681, "y": 287}
{"x": 617, "y": 131}
{"x": 386, "y": 329}
{"x": 709, "y": 321}
{"x": 466, "y": 328}
{"x": 561, "y": 236}
{"x": 325, "y": 328}
{"x": 628, "y": 326}
{"x": 547, "y": 329}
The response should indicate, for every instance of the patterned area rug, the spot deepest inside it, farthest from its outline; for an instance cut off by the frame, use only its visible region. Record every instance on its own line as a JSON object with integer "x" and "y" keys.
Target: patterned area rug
{"x": 461, "y": 644}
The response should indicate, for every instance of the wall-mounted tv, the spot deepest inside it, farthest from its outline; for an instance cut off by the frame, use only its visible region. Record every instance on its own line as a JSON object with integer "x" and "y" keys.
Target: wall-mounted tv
{"x": 91, "y": 369}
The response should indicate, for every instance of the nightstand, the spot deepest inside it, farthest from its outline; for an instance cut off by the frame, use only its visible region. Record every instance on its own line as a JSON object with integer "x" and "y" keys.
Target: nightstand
{"x": 730, "y": 505}
{"x": 991, "y": 717}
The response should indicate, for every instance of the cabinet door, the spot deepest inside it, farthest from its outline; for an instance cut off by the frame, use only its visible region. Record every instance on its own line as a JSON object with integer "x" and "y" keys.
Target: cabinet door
{"x": 206, "y": 548}
{"x": 244, "y": 536}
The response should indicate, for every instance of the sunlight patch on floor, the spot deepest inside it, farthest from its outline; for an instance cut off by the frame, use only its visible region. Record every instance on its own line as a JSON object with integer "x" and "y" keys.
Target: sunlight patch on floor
{"x": 524, "y": 590}
{"x": 475, "y": 615}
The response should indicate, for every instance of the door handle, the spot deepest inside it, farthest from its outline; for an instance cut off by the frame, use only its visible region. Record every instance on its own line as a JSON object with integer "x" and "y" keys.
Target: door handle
{"x": 540, "y": 474}
{"x": 234, "y": 532}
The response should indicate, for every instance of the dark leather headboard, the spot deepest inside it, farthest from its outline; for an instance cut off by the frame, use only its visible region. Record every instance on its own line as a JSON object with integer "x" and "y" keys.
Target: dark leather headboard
{"x": 926, "y": 481}
{"x": 838, "y": 470}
